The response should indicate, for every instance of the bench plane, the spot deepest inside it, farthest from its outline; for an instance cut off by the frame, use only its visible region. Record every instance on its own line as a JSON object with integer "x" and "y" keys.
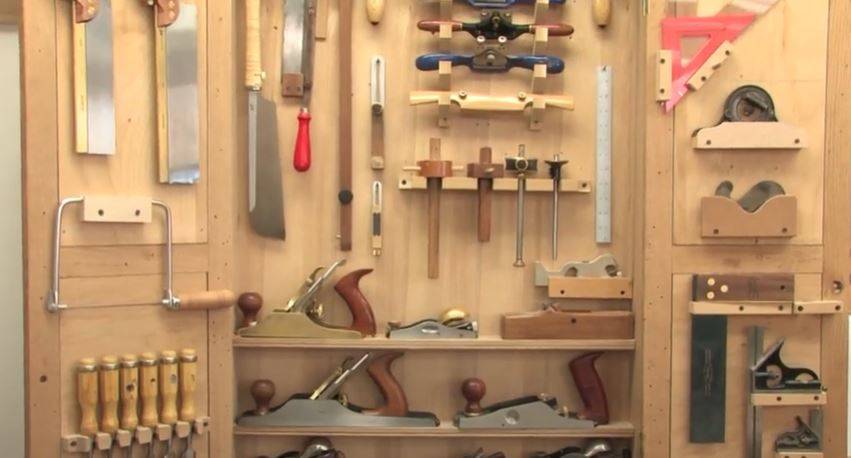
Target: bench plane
{"x": 771, "y": 375}
{"x": 302, "y": 317}
{"x": 327, "y": 407}
{"x": 554, "y": 323}
{"x": 452, "y": 324}
{"x": 806, "y": 438}
{"x": 597, "y": 448}
{"x": 600, "y": 267}
{"x": 318, "y": 447}
{"x": 480, "y": 453}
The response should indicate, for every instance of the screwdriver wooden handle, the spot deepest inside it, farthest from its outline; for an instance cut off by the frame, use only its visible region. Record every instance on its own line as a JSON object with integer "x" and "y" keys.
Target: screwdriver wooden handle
{"x": 301, "y": 155}
{"x": 168, "y": 387}
{"x": 129, "y": 378}
{"x": 87, "y": 395}
{"x": 253, "y": 66}
{"x": 188, "y": 372}
{"x": 148, "y": 389}
{"x": 374, "y": 10}
{"x": 207, "y": 300}
{"x": 108, "y": 384}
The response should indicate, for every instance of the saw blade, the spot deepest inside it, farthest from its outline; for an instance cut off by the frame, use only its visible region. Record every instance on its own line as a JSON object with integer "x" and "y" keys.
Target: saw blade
{"x": 99, "y": 108}
{"x": 265, "y": 189}
{"x": 297, "y": 50}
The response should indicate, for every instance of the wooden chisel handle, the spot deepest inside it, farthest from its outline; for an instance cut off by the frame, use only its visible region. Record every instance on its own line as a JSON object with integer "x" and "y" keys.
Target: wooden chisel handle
{"x": 188, "y": 377}
{"x": 168, "y": 387}
{"x": 253, "y": 67}
{"x": 108, "y": 384}
{"x": 87, "y": 395}
{"x": 129, "y": 378}
{"x": 207, "y": 300}
{"x": 301, "y": 155}
{"x": 148, "y": 389}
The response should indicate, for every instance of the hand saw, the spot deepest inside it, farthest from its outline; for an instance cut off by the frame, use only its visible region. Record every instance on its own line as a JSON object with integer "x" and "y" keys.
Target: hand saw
{"x": 94, "y": 105}
{"x": 297, "y": 70}
{"x": 176, "y": 49}
{"x": 265, "y": 190}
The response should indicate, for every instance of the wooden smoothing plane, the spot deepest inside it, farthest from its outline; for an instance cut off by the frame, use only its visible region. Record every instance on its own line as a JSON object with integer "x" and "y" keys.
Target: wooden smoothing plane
{"x": 599, "y": 448}
{"x": 327, "y": 407}
{"x": 538, "y": 411}
{"x": 318, "y": 447}
{"x": 302, "y": 316}
{"x": 452, "y": 324}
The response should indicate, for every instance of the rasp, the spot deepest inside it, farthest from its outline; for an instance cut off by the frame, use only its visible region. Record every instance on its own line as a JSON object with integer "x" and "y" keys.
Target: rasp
{"x": 94, "y": 105}
{"x": 176, "y": 48}
{"x": 265, "y": 190}
{"x": 297, "y": 71}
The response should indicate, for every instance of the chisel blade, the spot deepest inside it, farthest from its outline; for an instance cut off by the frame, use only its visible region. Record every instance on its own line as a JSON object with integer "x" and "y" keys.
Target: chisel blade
{"x": 96, "y": 104}
{"x": 181, "y": 107}
{"x": 265, "y": 190}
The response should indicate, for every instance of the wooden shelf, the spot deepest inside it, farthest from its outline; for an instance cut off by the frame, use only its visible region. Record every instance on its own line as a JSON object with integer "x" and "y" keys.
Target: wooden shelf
{"x": 765, "y": 399}
{"x": 410, "y": 181}
{"x": 446, "y": 430}
{"x": 481, "y": 344}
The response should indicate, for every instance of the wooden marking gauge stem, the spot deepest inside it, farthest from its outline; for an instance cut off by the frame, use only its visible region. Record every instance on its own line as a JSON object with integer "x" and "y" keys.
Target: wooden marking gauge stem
{"x": 485, "y": 171}
{"x": 345, "y": 196}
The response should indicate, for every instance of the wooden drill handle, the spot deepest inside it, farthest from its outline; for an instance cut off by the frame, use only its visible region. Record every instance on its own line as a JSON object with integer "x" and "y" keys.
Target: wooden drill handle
{"x": 602, "y": 11}
{"x": 129, "y": 378}
{"x": 253, "y": 67}
{"x": 207, "y": 300}
{"x": 363, "y": 320}
{"x": 148, "y": 389}
{"x": 168, "y": 387}
{"x": 108, "y": 384}
{"x": 188, "y": 382}
{"x": 87, "y": 396}
{"x": 395, "y": 402}
{"x": 374, "y": 10}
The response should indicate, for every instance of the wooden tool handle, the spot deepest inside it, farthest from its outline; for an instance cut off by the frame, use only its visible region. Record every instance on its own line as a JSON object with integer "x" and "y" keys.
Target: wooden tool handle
{"x": 148, "y": 389}
{"x": 374, "y": 10}
{"x": 85, "y": 10}
{"x": 168, "y": 387}
{"x": 556, "y": 30}
{"x": 250, "y": 305}
{"x": 473, "y": 390}
{"x": 590, "y": 387}
{"x": 207, "y": 300}
{"x": 395, "y": 402}
{"x": 434, "y": 26}
{"x": 87, "y": 396}
{"x": 602, "y": 12}
{"x": 363, "y": 320}
{"x": 253, "y": 64}
{"x": 167, "y": 12}
{"x": 108, "y": 384}
{"x": 129, "y": 378}
{"x": 262, "y": 391}
{"x": 301, "y": 154}
{"x": 188, "y": 383}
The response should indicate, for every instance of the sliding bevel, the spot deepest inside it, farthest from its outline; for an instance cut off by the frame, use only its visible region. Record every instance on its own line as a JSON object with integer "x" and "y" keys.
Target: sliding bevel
{"x": 495, "y": 25}
{"x": 176, "y": 49}
{"x": 93, "y": 62}
{"x": 377, "y": 95}
{"x": 377, "y": 208}
{"x": 490, "y": 60}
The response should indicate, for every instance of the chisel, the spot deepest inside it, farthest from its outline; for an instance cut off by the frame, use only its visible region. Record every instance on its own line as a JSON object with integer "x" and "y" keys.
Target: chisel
{"x": 188, "y": 372}
{"x": 87, "y": 396}
{"x": 108, "y": 387}
{"x": 168, "y": 393}
{"x": 129, "y": 378}
{"x": 148, "y": 393}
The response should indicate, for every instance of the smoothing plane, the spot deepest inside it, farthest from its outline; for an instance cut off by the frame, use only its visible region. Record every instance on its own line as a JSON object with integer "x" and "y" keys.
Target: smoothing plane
{"x": 302, "y": 317}
{"x": 598, "y": 448}
{"x": 540, "y": 411}
{"x": 452, "y": 324}
{"x": 327, "y": 407}
{"x": 318, "y": 447}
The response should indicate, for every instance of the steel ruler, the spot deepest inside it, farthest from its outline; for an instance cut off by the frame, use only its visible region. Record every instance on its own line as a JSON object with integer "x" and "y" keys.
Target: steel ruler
{"x": 604, "y": 155}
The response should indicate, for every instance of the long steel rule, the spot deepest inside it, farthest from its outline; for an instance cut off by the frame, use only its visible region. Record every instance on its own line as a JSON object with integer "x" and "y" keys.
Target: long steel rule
{"x": 604, "y": 155}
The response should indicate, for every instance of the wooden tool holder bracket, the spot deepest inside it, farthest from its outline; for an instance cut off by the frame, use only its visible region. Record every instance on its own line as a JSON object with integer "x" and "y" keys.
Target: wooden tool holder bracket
{"x": 539, "y": 72}
{"x": 77, "y": 443}
{"x": 723, "y": 217}
{"x": 590, "y": 288}
{"x": 750, "y": 136}
{"x": 410, "y": 182}
{"x": 787, "y": 399}
{"x": 767, "y": 308}
{"x": 664, "y": 70}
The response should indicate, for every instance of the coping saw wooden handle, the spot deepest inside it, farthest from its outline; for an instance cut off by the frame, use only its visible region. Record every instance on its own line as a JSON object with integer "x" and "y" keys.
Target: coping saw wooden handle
{"x": 363, "y": 320}
{"x": 253, "y": 65}
{"x": 301, "y": 155}
{"x": 207, "y": 300}
{"x": 395, "y": 402}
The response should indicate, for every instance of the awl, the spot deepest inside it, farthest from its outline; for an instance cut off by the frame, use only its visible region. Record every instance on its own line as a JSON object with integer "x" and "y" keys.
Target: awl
{"x": 265, "y": 190}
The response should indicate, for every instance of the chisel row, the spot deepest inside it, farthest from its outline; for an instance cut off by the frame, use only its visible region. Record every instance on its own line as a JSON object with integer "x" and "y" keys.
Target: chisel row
{"x": 147, "y": 400}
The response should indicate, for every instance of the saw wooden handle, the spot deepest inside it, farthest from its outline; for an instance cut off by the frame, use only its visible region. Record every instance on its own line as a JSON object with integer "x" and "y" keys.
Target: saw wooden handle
{"x": 207, "y": 300}
{"x": 395, "y": 402}
{"x": 590, "y": 387}
{"x": 129, "y": 379}
{"x": 87, "y": 396}
{"x": 253, "y": 68}
{"x": 188, "y": 383}
{"x": 348, "y": 287}
{"x": 108, "y": 382}
{"x": 168, "y": 387}
{"x": 148, "y": 389}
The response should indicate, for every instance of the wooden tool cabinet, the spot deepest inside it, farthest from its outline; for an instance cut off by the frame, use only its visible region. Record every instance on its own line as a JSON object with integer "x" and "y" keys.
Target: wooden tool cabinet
{"x": 112, "y": 274}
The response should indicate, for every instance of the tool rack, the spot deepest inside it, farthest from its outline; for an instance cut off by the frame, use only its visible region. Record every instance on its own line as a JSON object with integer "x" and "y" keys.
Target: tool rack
{"x": 114, "y": 274}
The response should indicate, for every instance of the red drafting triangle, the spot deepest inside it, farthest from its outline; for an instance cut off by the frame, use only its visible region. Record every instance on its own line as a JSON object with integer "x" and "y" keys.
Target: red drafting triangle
{"x": 717, "y": 30}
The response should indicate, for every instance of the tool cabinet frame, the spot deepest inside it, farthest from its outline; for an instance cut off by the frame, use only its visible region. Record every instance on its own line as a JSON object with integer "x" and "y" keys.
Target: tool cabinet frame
{"x": 216, "y": 249}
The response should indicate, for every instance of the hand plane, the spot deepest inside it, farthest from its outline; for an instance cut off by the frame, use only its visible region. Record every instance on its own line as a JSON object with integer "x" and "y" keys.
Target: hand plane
{"x": 302, "y": 316}
{"x": 327, "y": 407}
{"x": 541, "y": 411}
{"x": 453, "y": 324}
{"x": 318, "y": 447}
{"x": 805, "y": 439}
{"x": 480, "y": 453}
{"x": 554, "y": 323}
{"x": 771, "y": 375}
{"x": 598, "y": 448}
{"x": 600, "y": 267}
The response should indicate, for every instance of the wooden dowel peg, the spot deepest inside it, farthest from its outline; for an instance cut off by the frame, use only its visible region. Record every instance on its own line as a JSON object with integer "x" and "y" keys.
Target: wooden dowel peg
{"x": 485, "y": 171}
